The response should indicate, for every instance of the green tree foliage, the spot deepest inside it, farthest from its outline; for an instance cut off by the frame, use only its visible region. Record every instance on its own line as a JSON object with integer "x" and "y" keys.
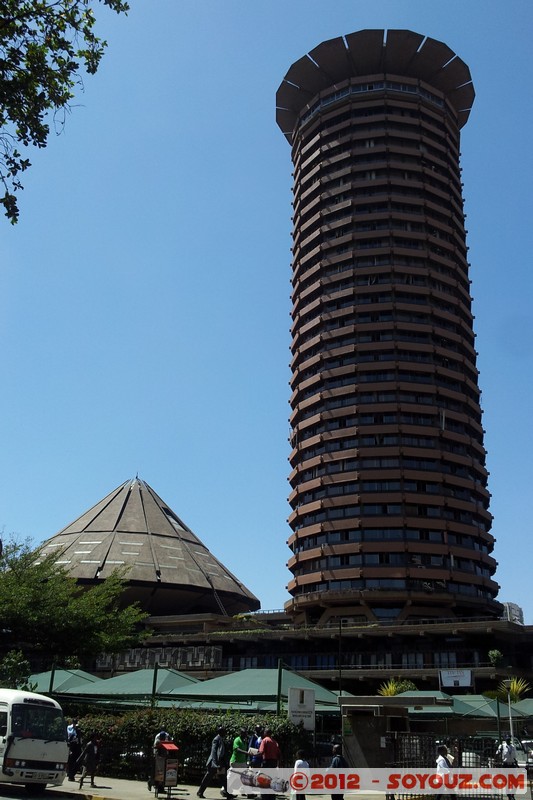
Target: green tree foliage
{"x": 495, "y": 657}
{"x": 43, "y": 45}
{"x": 394, "y": 686}
{"x": 43, "y": 611}
{"x": 15, "y": 671}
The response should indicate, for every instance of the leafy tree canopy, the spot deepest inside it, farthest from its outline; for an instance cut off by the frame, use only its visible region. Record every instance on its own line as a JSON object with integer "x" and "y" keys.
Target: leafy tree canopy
{"x": 43, "y": 45}
{"x": 15, "y": 671}
{"x": 43, "y": 611}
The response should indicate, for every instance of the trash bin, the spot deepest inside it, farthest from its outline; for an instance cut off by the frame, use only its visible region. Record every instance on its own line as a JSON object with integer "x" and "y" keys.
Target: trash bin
{"x": 165, "y": 768}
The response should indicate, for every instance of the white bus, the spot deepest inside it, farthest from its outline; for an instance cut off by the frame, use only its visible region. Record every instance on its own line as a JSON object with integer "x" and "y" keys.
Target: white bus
{"x": 33, "y": 746}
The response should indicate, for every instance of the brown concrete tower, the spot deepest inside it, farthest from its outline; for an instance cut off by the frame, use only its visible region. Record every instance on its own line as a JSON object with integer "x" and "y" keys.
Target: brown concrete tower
{"x": 389, "y": 498}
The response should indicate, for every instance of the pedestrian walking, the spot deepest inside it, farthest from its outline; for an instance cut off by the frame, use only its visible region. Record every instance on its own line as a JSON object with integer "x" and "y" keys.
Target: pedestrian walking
{"x": 216, "y": 765}
{"x": 301, "y": 764}
{"x": 444, "y": 765}
{"x": 74, "y": 744}
{"x": 89, "y": 758}
{"x": 507, "y": 754}
{"x": 270, "y": 753}
{"x": 254, "y": 743}
{"x": 338, "y": 762}
{"x": 239, "y": 750}
{"x": 269, "y": 750}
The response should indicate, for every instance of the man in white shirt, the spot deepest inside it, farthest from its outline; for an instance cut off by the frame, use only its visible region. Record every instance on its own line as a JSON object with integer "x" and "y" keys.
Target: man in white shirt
{"x": 507, "y": 752}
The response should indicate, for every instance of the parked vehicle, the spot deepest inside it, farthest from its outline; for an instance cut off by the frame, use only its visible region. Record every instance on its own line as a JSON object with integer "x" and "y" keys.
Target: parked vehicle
{"x": 527, "y": 745}
{"x": 33, "y": 740}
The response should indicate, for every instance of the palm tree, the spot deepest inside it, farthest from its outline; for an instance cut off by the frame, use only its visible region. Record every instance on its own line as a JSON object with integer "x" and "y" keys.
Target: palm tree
{"x": 394, "y": 686}
{"x": 517, "y": 688}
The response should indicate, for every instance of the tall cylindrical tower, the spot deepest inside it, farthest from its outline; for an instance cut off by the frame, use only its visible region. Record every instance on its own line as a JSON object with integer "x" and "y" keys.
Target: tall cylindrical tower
{"x": 390, "y": 509}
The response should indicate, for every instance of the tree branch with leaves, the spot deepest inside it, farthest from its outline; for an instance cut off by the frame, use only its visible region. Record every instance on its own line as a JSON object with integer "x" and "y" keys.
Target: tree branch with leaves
{"x": 46, "y": 615}
{"x": 43, "y": 46}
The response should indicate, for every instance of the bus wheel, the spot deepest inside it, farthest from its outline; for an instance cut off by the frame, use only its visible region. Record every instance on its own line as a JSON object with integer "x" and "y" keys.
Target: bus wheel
{"x": 34, "y": 789}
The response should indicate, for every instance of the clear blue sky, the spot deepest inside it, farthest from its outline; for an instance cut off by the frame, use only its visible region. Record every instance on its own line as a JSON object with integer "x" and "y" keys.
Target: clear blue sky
{"x": 144, "y": 319}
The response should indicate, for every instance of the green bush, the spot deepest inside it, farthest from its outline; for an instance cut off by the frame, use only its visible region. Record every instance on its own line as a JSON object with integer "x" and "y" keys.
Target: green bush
{"x": 127, "y": 738}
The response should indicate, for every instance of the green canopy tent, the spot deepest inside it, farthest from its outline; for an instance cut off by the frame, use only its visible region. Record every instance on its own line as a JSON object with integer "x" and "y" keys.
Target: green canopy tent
{"x": 464, "y": 705}
{"x": 491, "y": 708}
{"x": 61, "y": 680}
{"x": 138, "y": 687}
{"x": 262, "y": 689}
{"x": 525, "y": 706}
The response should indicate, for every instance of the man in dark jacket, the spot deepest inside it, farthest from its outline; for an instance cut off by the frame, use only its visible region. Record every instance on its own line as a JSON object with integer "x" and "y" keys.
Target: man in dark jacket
{"x": 338, "y": 762}
{"x": 217, "y": 764}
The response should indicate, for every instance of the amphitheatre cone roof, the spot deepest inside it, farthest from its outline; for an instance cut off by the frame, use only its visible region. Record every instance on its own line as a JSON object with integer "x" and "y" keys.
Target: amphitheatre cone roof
{"x": 169, "y": 570}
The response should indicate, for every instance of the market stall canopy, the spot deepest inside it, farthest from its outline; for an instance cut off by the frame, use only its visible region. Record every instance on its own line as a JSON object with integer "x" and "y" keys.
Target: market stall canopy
{"x": 61, "y": 680}
{"x": 140, "y": 684}
{"x": 254, "y": 685}
{"x": 459, "y": 705}
{"x": 525, "y": 706}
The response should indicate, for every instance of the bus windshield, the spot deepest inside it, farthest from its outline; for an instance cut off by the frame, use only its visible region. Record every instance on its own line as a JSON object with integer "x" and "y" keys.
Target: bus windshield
{"x": 38, "y": 722}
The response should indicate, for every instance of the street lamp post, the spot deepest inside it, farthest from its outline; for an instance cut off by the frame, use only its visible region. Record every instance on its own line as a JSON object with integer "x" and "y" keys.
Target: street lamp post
{"x": 507, "y": 684}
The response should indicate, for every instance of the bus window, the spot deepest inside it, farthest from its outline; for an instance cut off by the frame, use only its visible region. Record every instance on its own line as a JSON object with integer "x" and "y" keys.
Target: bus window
{"x": 38, "y": 722}
{"x": 3, "y": 723}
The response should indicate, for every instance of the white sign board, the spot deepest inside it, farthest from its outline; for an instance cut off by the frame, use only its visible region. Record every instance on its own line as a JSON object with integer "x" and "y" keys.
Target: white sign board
{"x": 455, "y": 677}
{"x": 302, "y": 707}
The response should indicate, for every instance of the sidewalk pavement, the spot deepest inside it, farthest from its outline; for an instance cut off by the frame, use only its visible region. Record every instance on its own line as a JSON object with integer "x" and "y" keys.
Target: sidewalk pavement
{"x": 118, "y": 789}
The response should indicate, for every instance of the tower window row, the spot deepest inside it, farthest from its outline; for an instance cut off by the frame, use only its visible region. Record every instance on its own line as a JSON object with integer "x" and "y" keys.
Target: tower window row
{"x": 398, "y": 376}
{"x": 326, "y": 295}
{"x": 358, "y": 205}
{"x": 391, "y": 534}
{"x": 402, "y": 486}
{"x": 379, "y": 317}
{"x": 419, "y": 357}
{"x": 369, "y": 398}
{"x": 402, "y": 268}
{"x": 392, "y": 510}
{"x": 341, "y": 342}
{"x": 409, "y": 560}
{"x": 379, "y": 193}
{"x": 390, "y": 111}
{"x": 383, "y": 126}
{"x": 391, "y": 440}
{"x": 375, "y": 86}
{"x": 438, "y": 421}
{"x": 396, "y": 584}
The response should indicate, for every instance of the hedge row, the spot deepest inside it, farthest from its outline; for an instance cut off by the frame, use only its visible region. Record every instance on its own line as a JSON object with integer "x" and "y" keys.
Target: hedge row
{"x": 127, "y": 738}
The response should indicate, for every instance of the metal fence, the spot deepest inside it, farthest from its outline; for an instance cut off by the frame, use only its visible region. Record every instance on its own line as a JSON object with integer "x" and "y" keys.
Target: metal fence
{"x": 409, "y": 750}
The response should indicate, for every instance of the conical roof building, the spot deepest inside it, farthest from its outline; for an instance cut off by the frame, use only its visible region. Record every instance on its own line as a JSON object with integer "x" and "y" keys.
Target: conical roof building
{"x": 170, "y": 571}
